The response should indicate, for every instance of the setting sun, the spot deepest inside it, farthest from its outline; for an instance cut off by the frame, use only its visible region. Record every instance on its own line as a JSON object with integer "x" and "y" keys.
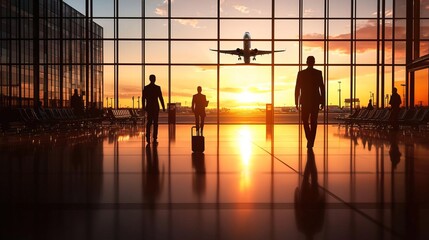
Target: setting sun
{"x": 245, "y": 97}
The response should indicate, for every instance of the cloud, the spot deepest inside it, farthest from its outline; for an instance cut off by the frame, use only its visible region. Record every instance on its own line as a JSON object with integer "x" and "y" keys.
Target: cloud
{"x": 365, "y": 31}
{"x": 183, "y": 94}
{"x": 221, "y": 4}
{"x": 309, "y": 12}
{"x": 241, "y": 8}
{"x": 231, "y": 90}
{"x": 127, "y": 92}
{"x": 188, "y": 22}
{"x": 162, "y": 9}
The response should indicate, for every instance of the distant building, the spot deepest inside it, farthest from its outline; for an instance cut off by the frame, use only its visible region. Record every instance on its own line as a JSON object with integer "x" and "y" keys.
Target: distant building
{"x": 46, "y": 51}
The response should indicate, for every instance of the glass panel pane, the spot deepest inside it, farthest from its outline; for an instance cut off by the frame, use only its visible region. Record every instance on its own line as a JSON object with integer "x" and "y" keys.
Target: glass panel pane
{"x": 194, "y": 8}
{"x": 339, "y": 29}
{"x": 424, "y": 29}
{"x": 246, "y": 8}
{"x": 422, "y": 91}
{"x": 366, "y": 29}
{"x": 286, "y": 29}
{"x": 258, "y": 29}
{"x": 424, "y": 9}
{"x": 130, "y": 28}
{"x": 339, "y": 8}
{"x": 108, "y": 52}
{"x": 400, "y": 47}
{"x": 313, "y": 29}
{"x": 156, "y": 28}
{"x": 194, "y": 28}
{"x": 193, "y": 52}
{"x": 156, "y": 8}
{"x": 424, "y": 48}
{"x": 156, "y": 52}
{"x": 314, "y": 8}
{"x": 129, "y": 85}
{"x": 103, "y": 8}
{"x": 334, "y": 96}
{"x": 288, "y": 8}
{"x": 130, "y": 51}
{"x": 284, "y": 85}
{"x": 401, "y": 8}
{"x": 366, "y": 84}
{"x": 366, "y": 8}
{"x": 366, "y": 52}
{"x": 107, "y": 25}
{"x": 339, "y": 52}
{"x": 130, "y": 8}
{"x": 291, "y": 54}
{"x": 400, "y": 30}
{"x": 77, "y": 4}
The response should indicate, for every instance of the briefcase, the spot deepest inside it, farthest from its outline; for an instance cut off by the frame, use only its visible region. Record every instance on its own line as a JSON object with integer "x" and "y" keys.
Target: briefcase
{"x": 197, "y": 141}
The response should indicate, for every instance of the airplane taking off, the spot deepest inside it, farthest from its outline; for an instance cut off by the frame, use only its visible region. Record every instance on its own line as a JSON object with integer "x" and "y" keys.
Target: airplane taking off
{"x": 246, "y": 52}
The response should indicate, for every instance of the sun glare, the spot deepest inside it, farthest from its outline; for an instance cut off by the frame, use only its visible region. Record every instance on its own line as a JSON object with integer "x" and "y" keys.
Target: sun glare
{"x": 246, "y": 97}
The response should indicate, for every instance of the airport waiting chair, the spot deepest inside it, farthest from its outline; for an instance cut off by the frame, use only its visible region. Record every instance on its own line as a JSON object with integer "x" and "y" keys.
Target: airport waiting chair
{"x": 421, "y": 117}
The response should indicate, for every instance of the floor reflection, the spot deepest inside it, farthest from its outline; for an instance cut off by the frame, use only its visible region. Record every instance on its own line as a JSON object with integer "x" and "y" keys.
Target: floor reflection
{"x": 199, "y": 174}
{"x": 153, "y": 179}
{"x": 252, "y": 181}
{"x": 310, "y": 200}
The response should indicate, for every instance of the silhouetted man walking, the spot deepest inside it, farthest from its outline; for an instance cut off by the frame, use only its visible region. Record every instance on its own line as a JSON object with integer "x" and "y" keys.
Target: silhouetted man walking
{"x": 199, "y": 104}
{"x": 151, "y": 94}
{"x": 310, "y": 93}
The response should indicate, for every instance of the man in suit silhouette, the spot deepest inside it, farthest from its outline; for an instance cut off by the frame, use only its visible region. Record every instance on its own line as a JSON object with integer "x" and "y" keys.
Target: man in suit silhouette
{"x": 151, "y": 94}
{"x": 310, "y": 93}
{"x": 199, "y": 104}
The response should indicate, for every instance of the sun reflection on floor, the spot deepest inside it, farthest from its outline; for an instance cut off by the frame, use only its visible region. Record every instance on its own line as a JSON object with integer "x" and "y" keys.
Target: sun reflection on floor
{"x": 245, "y": 141}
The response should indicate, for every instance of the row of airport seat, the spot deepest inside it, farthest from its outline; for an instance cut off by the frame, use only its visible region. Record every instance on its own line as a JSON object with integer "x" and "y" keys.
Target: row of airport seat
{"x": 50, "y": 118}
{"x": 124, "y": 115}
{"x": 382, "y": 118}
{"x": 39, "y": 119}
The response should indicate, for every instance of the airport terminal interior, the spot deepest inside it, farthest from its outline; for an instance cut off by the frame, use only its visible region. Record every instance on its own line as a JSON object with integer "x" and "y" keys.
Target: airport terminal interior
{"x": 75, "y": 162}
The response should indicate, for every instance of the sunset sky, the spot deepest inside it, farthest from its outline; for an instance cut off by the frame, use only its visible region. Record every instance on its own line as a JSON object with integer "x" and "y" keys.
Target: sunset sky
{"x": 247, "y": 86}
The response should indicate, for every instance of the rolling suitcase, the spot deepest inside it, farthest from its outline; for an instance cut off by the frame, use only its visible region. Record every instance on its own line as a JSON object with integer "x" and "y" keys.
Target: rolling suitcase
{"x": 197, "y": 141}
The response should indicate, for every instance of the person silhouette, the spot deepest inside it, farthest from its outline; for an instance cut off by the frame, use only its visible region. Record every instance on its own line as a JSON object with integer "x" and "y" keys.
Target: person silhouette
{"x": 370, "y": 106}
{"x": 199, "y": 104}
{"x": 151, "y": 94}
{"x": 310, "y": 93}
{"x": 395, "y": 102}
{"x": 77, "y": 103}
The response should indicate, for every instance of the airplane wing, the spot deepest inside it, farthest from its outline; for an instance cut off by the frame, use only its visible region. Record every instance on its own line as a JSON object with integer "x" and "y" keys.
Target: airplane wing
{"x": 256, "y": 52}
{"x": 238, "y": 51}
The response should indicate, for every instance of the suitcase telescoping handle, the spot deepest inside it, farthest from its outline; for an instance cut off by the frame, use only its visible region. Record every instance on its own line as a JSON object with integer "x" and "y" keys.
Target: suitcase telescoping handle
{"x": 192, "y": 130}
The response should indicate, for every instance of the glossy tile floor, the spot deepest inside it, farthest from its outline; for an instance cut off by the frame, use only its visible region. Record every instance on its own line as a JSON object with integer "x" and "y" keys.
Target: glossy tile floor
{"x": 252, "y": 182}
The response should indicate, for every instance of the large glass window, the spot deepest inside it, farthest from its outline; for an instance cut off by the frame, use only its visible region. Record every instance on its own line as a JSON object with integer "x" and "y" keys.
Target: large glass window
{"x": 138, "y": 38}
